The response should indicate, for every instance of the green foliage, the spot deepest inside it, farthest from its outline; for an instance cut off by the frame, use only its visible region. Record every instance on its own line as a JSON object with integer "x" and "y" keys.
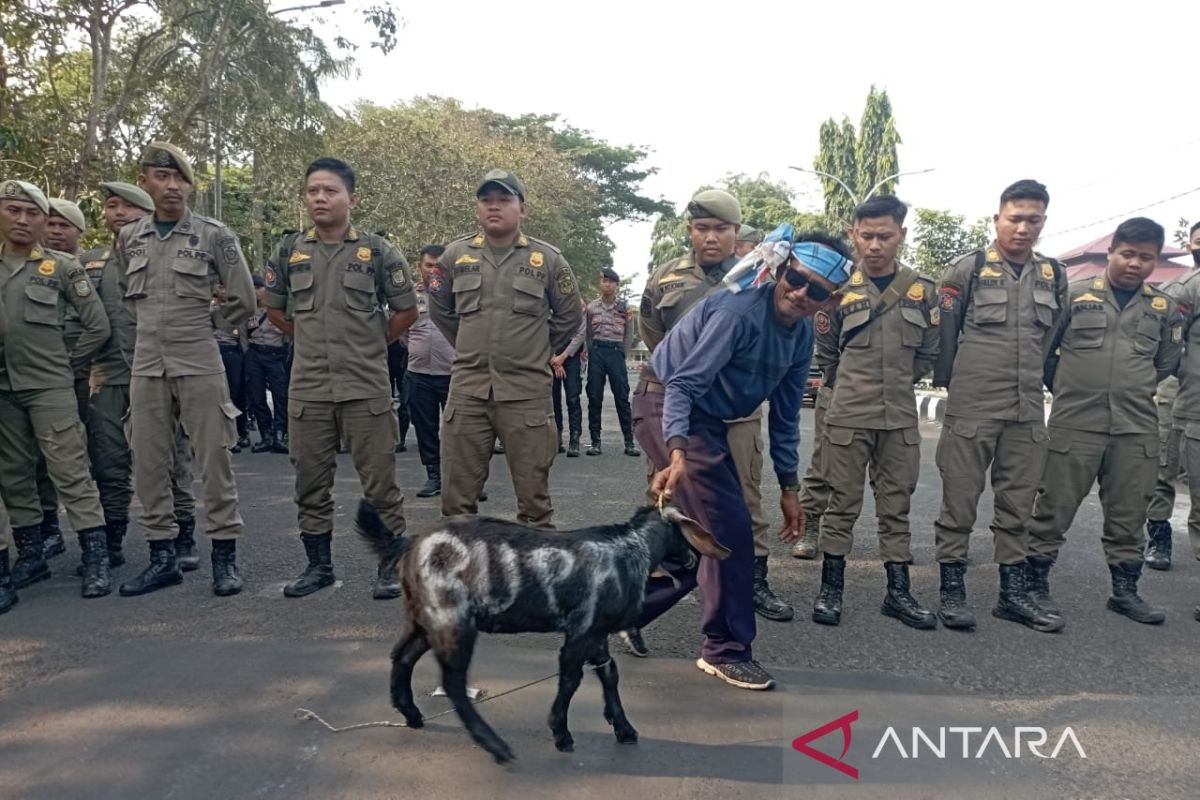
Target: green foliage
{"x": 942, "y": 236}
{"x": 858, "y": 159}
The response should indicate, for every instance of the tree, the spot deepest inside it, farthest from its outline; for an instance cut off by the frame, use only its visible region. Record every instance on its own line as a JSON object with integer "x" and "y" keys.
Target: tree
{"x": 942, "y": 236}
{"x": 859, "y": 160}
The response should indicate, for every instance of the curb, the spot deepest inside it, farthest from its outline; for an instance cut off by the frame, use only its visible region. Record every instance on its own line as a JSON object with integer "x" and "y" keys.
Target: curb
{"x": 932, "y": 407}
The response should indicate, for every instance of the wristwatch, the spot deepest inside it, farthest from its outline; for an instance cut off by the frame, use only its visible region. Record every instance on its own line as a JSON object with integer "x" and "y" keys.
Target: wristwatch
{"x": 790, "y": 487}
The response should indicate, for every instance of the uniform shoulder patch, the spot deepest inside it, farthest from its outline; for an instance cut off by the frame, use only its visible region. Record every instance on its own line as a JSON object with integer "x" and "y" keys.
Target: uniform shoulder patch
{"x": 270, "y": 278}
{"x": 399, "y": 276}
{"x": 82, "y": 287}
{"x": 566, "y": 280}
{"x": 822, "y": 323}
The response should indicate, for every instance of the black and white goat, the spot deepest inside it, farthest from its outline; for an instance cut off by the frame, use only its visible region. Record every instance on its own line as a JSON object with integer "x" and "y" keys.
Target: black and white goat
{"x": 469, "y": 574}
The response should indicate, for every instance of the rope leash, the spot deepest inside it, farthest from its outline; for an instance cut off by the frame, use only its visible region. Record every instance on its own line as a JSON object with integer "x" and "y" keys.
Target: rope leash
{"x": 302, "y": 714}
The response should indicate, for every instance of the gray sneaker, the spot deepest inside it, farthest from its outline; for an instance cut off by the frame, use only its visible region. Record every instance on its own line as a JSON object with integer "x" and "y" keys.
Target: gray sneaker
{"x": 742, "y": 674}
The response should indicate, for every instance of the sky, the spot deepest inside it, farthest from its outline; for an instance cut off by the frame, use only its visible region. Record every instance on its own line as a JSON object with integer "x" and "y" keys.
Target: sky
{"x": 1093, "y": 103}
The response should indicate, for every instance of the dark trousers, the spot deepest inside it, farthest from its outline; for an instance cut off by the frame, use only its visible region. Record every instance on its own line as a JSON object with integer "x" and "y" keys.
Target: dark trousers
{"x": 398, "y": 375}
{"x": 711, "y": 494}
{"x": 235, "y": 375}
{"x": 607, "y": 360}
{"x": 266, "y": 369}
{"x": 426, "y": 399}
{"x": 573, "y": 386}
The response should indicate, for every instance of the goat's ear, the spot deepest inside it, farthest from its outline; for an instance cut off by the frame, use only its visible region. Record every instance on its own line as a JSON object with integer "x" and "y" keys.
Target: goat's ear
{"x": 698, "y": 537}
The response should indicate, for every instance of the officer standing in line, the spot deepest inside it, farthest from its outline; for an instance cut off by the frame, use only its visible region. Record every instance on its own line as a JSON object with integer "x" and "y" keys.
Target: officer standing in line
{"x": 232, "y": 346}
{"x": 266, "y": 369}
{"x": 880, "y": 340}
{"x": 568, "y": 380}
{"x": 108, "y": 406}
{"x": 37, "y": 405}
{"x": 672, "y": 289}
{"x": 339, "y": 281}
{"x": 1116, "y": 340}
{"x": 999, "y": 308}
{"x": 609, "y": 339}
{"x": 169, "y": 264}
{"x": 508, "y": 303}
{"x": 430, "y": 357}
{"x": 748, "y": 238}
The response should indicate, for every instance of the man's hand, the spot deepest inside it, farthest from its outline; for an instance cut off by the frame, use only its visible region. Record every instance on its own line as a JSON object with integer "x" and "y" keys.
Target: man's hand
{"x": 666, "y": 480}
{"x": 793, "y": 517}
{"x": 556, "y": 366}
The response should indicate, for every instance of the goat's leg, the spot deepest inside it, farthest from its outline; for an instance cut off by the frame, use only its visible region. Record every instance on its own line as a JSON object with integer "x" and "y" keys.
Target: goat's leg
{"x": 614, "y": 712}
{"x": 405, "y": 655}
{"x": 570, "y": 672}
{"x": 455, "y": 662}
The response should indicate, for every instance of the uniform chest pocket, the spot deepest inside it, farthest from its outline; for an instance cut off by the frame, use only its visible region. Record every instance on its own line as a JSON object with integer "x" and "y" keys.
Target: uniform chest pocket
{"x": 912, "y": 332}
{"x": 1147, "y": 336}
{"x": 1044, "y": 305}
{"x": 1087, "y": 330}
{"x": 191, "y": 278}
{"x": 41, "y": 305}
{"x": 851, "y": 323}
{"x": 301, "y": 283}
{"x": 990, "y": 306}
{"x": 135, "y": 277}
{"x": 359, "y": 288}
{"x": 528, "y": 296}
{"x": 467, "y": 290}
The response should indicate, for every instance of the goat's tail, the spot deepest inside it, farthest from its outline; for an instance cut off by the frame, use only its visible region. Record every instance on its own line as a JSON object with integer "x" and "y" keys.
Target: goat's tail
{"x": 386, "y": 544}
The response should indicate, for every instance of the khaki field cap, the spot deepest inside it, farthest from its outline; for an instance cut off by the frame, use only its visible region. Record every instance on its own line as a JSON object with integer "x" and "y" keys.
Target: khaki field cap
{"x": 128, "y": 192}
{"x": 168, "y": 156}
{"x": 25, "y": 192}
{"x": 505, "y": 180}
{"x": 717, "y": 204}
{"x": 68, "y": 211}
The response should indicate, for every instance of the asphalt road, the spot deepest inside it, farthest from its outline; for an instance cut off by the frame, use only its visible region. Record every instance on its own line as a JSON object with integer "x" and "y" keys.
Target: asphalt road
{"x": 183, "y": 694}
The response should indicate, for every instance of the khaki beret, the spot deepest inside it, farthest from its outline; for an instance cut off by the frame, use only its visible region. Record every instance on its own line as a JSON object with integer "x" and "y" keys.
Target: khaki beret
{"x": 749, "y": 233}
{"x": 716, "y": 203}
{"x": 505, "y": 180}
{"x": 128, "y": 192}
{"x": 26, "y": 193}
{"x": 168, "y": 156}
{"x": 68, "y": 211}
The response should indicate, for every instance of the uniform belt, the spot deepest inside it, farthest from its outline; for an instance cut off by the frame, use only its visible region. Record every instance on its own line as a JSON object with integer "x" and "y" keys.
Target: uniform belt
{"x": 653, "y": 387}
{"x": 271, "y": 348}
{"x": 608, "y": 344}
{"x": 229, "y": 346}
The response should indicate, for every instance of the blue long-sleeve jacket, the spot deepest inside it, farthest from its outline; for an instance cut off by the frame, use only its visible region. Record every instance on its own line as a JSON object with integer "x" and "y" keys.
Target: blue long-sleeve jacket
{"x": 728, "y": 355}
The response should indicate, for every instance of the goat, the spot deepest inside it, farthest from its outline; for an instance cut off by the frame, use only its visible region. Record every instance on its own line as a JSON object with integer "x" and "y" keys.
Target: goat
{"x": 468, "y": 574}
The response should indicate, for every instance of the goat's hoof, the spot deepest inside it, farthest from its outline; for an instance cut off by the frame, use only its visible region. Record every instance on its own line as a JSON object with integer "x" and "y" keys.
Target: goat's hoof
{"x": 565, "y": 744}
{"x": 626, "y": 734}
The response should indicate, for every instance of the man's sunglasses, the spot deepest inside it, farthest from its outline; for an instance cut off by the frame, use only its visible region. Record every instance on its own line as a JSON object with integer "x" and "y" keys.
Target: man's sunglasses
{"x": 798, "y": 280}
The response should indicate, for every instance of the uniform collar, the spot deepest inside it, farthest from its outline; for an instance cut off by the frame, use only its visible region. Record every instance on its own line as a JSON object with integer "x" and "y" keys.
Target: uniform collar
{"x": 36, "y": 254}
{"x": 479, "y": 240}
{"x": 310, "y": 235}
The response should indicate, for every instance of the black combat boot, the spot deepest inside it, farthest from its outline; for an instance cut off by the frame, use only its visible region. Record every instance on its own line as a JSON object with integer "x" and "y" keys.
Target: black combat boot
{"x": 765, "y": 602}
{"x": 1016, "y": 605}
{"x": 319, "y": 572}
{"x": 632, "y": 450}
{"x": 828, "y": 608}
{"x": 265, "y": 443}
{"x": 162, "y": 571}
{"x": 594, "y": 450}
{"x": 433, "y": 482}
{"x": 1037, "y": 583}
{"x": 1125, "y": 598}
{"x": 387, "y": 583}
{"x": 114, "y": 535}
{"x": 953, "y": 612}
{"x": 8, "y": 590}
{"x": 226, "y": 580}
{"x": 30, "y": 566}
{"x": 52, "y": 538}
{"x": 185, "y": 545}
{"x": 96, "y": 579}
{"x": 279, "y": 445}
{"x": 1158, "y": 544}
{"x": 899, "y": 602}
{"x": 573, "y": 446}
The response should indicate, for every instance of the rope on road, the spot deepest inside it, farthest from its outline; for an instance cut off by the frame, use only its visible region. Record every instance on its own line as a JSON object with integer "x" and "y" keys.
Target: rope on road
{"x": 305, "y": 714}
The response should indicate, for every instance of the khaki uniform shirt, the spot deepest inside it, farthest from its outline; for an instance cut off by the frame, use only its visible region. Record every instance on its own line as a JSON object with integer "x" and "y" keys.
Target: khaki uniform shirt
{"x": 674, "y": 288}
{"x": 875, "y": 373}
{"x": 506, "y": 316}
{"x": 339, "y": 293}
{"x": 168, "y": 282}
{"x": 610, "y": 323}
{"x": 1105, "y": 361}
{"x": 35, "y": 299}
{"x": 1186, "y": 292}
{"x": 996, "y": 329}
{"x": 112, "y": 363}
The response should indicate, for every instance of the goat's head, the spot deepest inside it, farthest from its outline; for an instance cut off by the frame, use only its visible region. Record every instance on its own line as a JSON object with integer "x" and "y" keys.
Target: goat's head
{"x": 687, "y": 539}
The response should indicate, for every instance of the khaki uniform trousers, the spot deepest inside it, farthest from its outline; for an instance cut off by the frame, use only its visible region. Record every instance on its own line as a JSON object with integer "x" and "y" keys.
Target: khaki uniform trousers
{"x": 200, "y": 403}
{"x": 1170, "y": 454}
{"x": 1014, "y": 452}
{"x": 370, "y": 432}
{"x": 893, "y": 459}
{"x": 1190, "y": 431}
{"x": 814, "y": 489}
{"x": 526, "y": 429}
{"x": 6, "y": 540}
{"x": 1125, "y": 465}
{"x": 45, "y": 420}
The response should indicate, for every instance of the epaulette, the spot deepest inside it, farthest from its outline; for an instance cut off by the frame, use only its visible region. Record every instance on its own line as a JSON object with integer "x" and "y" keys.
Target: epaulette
{"x": 543, "y": 243}
{"x": 210, "y": 220}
